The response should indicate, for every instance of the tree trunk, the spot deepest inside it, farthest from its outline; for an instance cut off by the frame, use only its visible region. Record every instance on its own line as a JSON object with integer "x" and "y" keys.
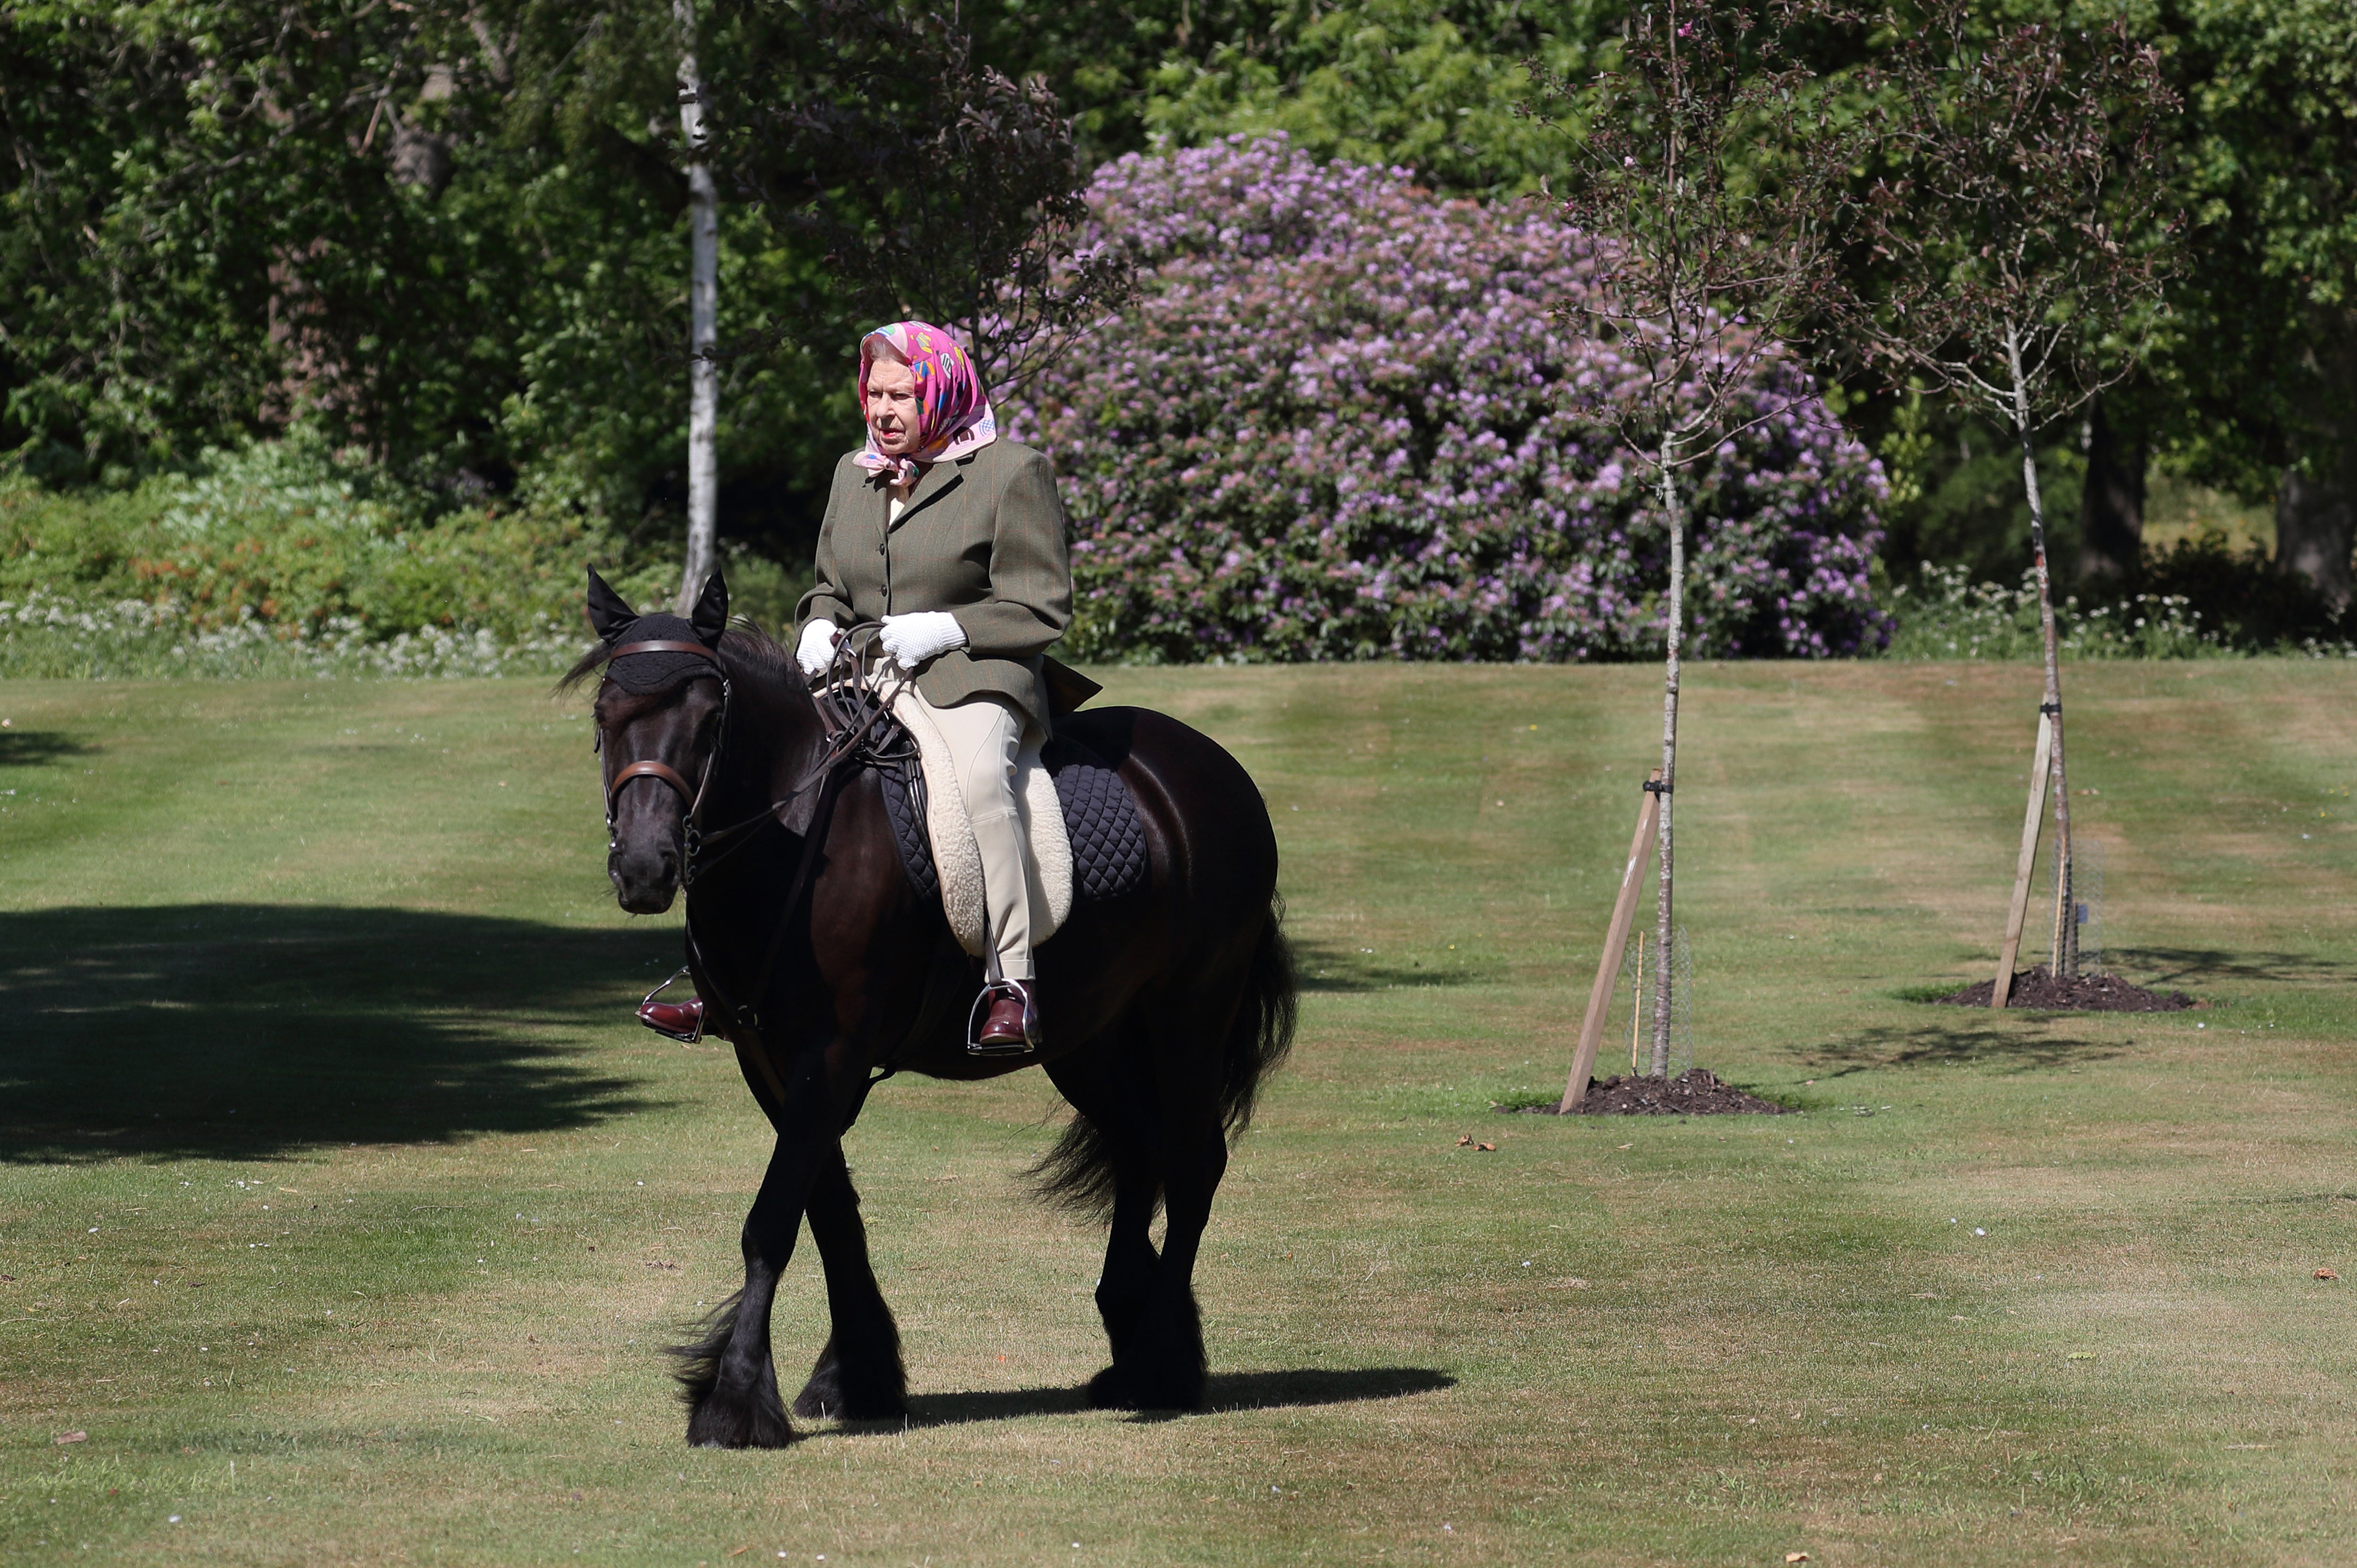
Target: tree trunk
{"x": 2315, "y": 509}
{"x": 1664, "y": 949}
{"x": 2066, "y": 930}
{"x": 2316, "y": 528}
{"x": 2111, "y": 509}
{"x": 703, "y": 332}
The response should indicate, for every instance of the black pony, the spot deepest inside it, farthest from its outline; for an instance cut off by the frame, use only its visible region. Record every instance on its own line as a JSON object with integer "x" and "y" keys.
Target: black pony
{"x": 1164, "y": 1007}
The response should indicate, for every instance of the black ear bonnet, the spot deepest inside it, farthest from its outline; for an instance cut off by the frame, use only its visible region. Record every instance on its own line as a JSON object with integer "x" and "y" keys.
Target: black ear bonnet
{"x": 618, "y": 626}
{"x": 639, "y": 673}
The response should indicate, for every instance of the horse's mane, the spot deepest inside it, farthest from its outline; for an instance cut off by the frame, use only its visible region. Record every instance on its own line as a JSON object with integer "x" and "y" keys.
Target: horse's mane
{"x": 751, "y": 644}
{"x": 746, "y": 640}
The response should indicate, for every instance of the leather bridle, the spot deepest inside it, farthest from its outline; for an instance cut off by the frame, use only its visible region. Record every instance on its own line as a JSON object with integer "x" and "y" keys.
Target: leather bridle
{"x": 691, "y": 796}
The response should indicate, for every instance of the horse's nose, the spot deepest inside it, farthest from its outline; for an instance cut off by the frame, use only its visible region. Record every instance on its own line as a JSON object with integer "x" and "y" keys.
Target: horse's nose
{"x": 645, "y": 878}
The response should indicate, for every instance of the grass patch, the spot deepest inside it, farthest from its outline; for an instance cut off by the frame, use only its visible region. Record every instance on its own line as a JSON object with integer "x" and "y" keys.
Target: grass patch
{"x": 344, "y": 1208}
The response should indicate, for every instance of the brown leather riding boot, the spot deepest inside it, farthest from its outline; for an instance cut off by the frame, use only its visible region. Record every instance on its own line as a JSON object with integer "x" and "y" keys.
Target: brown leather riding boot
{"x": 1006, "y": 1025}
{"x": 680, "y": 1020}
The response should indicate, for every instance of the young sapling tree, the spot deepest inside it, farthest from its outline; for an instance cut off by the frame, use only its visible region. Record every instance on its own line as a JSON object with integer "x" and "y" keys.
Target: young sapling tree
{"x": 1705, "y": 168}
{"x": 2011, "y": 235}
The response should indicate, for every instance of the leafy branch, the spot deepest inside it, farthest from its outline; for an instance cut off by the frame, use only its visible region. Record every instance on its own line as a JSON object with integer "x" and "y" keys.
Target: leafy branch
{"x": 936, "y": 186}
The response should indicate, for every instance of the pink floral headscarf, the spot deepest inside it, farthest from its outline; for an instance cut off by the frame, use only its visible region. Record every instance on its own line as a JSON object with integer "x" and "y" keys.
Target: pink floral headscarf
{"x": 954, "y": 413}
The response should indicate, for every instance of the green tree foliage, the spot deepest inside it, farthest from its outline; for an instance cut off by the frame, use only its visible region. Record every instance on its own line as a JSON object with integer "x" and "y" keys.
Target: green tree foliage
{"x": 2259, "y": 395}
{"x": 448, "y": 235}
{"x": 1442, "y": 89}
{"x": 2267, "y": 158}
{"x": 452, "y": 236}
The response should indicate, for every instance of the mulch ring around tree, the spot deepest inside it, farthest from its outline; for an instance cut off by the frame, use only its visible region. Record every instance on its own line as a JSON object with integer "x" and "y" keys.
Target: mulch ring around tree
{"x": 2036, "y": 990}
{"x": 1697, "y": 1091}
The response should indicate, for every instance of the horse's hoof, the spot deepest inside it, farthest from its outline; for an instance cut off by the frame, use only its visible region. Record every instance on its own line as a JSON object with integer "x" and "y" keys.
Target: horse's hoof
{"x": 862, "y": 1391}
{"x": 1142, "y": 1387}
{"x": 831, "y": 1404}
{"x": 718, "y": 1421}
{"x": 1109, "y": 1390}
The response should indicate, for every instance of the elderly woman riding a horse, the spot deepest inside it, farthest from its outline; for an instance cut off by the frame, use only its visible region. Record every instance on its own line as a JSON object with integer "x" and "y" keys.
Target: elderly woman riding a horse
{"x": 952, "y": 537}
{"x": 818, "y": 934}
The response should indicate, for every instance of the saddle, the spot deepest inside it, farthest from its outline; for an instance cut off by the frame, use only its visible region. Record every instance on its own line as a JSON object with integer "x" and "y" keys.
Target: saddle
{"x": 1084, "y": 839}
{"x": 1083, "y": 835}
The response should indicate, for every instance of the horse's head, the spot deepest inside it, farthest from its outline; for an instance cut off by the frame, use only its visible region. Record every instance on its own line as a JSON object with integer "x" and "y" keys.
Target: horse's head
{"x": 659, "y": 716}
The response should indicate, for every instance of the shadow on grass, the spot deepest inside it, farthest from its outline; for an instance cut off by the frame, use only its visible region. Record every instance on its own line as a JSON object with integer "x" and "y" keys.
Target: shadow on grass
{"x": 245, "y": 1031}
{"x": 1324, "y": 967}
{"x": 1980, "y": 1044}
{"x": 1228, "y": 1391}
{"x": 35, "y": 748}
{"x": 2195, "y": 967}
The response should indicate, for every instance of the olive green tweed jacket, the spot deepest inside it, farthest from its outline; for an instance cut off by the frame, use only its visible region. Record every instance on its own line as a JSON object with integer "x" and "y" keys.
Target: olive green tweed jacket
{"x": 982, "y": 537}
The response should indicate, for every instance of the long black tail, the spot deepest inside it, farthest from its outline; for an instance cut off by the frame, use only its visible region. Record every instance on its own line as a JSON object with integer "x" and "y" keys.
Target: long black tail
{"x": 1262, "y": 1035}
{"x": 1078, "y": 1173}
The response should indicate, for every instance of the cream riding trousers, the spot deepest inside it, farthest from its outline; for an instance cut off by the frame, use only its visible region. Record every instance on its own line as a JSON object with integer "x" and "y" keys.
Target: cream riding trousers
{"x": 984, "y": 734}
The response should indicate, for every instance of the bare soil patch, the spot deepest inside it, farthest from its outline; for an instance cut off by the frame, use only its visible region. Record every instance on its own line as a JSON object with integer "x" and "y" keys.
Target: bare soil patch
{"x": 2037, "y": 988}
{"x": 1697, "y": 1091}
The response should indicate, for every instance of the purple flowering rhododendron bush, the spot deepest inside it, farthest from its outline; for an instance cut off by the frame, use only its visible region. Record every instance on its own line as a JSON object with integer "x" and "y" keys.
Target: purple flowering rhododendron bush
{"x": 1342, "y": 421}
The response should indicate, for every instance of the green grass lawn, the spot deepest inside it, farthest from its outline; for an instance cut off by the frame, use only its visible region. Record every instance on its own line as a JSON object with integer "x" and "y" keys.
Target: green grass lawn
{"x": 344, "y": 1208}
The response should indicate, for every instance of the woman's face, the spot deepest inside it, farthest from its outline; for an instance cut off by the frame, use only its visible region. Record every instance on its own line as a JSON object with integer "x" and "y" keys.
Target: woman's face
{"x": 892, "y": 404}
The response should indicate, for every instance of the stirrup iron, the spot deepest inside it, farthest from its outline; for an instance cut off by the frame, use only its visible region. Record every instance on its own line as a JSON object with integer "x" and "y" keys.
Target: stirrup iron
{"x": 993, "y": 989}
{"x": 647, "y": 1005}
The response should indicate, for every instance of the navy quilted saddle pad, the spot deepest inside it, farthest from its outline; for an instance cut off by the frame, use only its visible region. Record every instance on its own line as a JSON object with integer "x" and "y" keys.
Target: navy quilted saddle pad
{"x": 1100, "y": 818}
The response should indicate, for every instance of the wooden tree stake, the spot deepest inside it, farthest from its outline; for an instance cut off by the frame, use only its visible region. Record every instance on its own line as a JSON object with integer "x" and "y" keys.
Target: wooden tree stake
{"x": 2032, "y": 821}
{"x": 1616, "y": 943}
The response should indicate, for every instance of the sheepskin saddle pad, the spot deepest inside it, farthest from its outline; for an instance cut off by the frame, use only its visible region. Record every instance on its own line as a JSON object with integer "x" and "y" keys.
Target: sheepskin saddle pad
{"x": 1082, "y": 831}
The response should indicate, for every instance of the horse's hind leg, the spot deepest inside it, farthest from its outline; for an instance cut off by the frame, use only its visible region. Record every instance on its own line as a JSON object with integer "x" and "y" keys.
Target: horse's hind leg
{"x": 1157, "y": 1140}
{"x": 1126, "y": 1290}
{"x": 1166, "y": 1368}
{"x": 1109, "y": 1145}
{"x": 859, "y": 1376}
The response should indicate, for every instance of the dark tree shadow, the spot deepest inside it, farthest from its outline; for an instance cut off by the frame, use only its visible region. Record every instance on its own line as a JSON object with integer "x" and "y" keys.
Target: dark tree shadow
{"x": 1322, "y": 966}
{"x": 1228, "y": 1391}
{"x": 243, "y": 1031}
{"x": 1918, "y": 1045}
{"x": 2191, "y": 968}
{"x": 34, "y": 747}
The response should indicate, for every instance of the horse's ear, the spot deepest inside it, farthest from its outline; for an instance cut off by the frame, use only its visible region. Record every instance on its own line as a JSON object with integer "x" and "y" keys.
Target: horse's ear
{"x": 710, "y": 616}
{"x": 610, "y": 614}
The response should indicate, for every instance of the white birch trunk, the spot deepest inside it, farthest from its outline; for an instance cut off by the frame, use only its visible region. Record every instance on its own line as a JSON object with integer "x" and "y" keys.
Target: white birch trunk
{"x": 1665, "y": 950}
{"x": 704, "y": 329}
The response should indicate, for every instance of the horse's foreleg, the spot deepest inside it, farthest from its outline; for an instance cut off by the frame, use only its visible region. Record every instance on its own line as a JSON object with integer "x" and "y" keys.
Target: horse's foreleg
{"x": 859, "y": 1376}
{"x": 731, "y": 1381}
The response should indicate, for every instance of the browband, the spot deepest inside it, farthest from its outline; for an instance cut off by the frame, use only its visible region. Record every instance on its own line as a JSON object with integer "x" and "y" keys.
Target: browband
{"x": 696, "y": 648}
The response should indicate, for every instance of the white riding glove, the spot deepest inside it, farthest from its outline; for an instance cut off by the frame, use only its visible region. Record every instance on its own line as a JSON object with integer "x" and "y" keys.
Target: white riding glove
{"x": 816, "y": 650}
{"x": 913, "y": 639}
